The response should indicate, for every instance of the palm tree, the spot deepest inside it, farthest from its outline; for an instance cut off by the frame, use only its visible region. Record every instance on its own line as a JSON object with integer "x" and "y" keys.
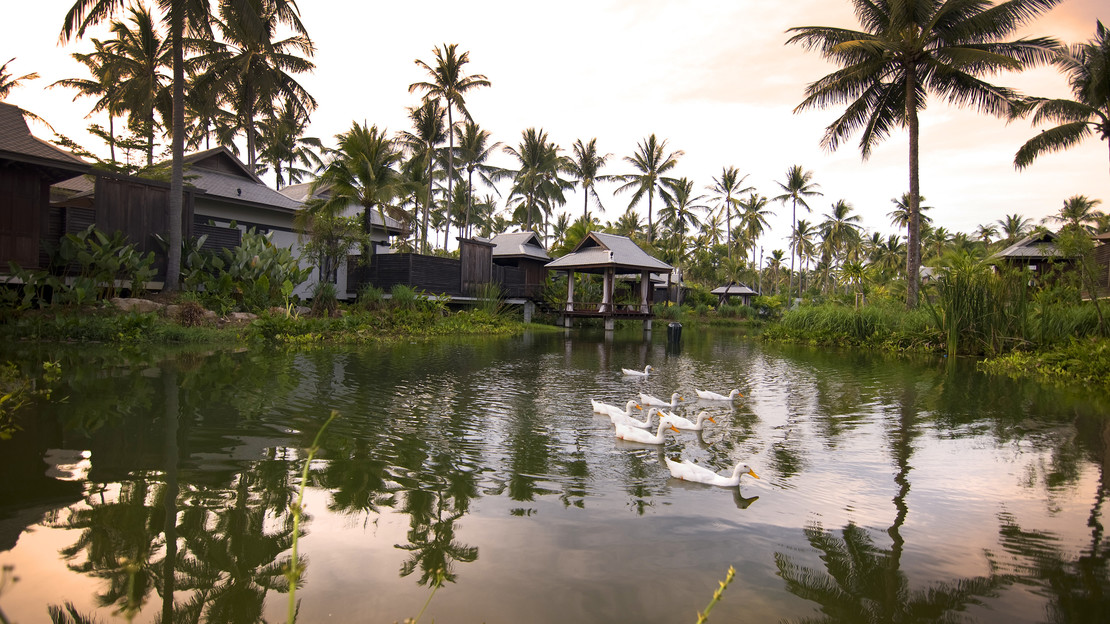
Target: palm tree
{"x": 753, "y": 219}
{"x": 900, "y": 216}
{"x": 1013, "y": 227}
{"x": 798, "y": 185}
{"x": 183, "y": 17}
{"x": 1078, "y": 213}
{"x": 537, "y": 187}
{"x": 650, "y": 162}
{"x": 628, "y": 224}
{"x": 585, "y": 166}
{"x": 136, "y": 58}
{"x": 986, "y": 233}
{"x": 284, "y": 146}
{"x": 802, "y": 245}
{"x": 8, "y": 81}
{"x": 1088, "y": 68}
{"x": 449, "y": 84}
{"x": 362, "y": 172}
{"x": 908, "y": 48}
{"x": 253, "y": 69}
{"x": 474, "y": 150}
{"x": 840, "y": 231}
{"x": 103, "y": 85}
{"x": 726, "y": 190}
{"x": 774, "y": 262}
{"x": 427, "y": 122}
{"x": 678, "y": 212}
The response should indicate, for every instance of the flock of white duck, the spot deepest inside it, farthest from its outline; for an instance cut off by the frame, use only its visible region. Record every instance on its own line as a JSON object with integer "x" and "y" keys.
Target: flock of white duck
{"x": 628, "y": 427}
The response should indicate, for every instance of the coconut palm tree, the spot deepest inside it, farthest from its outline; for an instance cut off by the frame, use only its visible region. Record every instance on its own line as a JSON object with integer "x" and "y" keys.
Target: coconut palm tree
{"x": 9, "y": 81}
{"x": 798, "y": 185}
{"x": 537, "y": 187}
{"x": 362, "y": 172}
{"x": 650, "y": 161}
{"x": 428, "y": 133}
{"x": 678, "y": 212}
{"x": 802, "y": 245}
{"x": 774, "y": 262}
{"x": 900, "y": 216}
{"x": 727, "y": 189}
{"x": 840, "y": 232}
{"x": 585, "y": 166}
{"x": 183, "y": 18}
{"x": 292, "y": 155}
{"x": 137, "y": 58}
{"x": 474, "y": 150}
{"x": 628, "y": 224}
{"x": 1087, "y": 66}
{"x": 1013, "y": 227}
{"x": 252, "y": 69}
{"x": 103, "y": 86}
{"x": 449, "y": 84}
{"x": 1078, "y": 213}
{"x": 986, "y": 233}
{"x": 907, "y": 49}
{"x": 753, "y": 219}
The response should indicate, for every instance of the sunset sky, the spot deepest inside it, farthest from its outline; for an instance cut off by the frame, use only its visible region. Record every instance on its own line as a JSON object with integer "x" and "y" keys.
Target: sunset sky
{"x": 714, "y": 79}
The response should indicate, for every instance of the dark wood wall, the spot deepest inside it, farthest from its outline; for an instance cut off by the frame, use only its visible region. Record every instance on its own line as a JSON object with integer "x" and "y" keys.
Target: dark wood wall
{"x": 24, "y": 196}
{"x": 476, "y": 265}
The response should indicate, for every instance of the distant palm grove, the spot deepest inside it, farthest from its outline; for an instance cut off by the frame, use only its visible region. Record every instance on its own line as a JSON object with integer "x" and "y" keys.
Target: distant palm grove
{"x": 179, "y": 75}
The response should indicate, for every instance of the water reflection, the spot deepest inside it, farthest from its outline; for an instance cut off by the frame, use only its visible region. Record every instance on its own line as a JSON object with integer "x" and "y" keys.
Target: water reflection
{"x": 452, "y": 449}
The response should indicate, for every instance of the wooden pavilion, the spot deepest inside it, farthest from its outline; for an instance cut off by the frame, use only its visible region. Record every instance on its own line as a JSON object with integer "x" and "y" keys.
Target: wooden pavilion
{"x": 608, "y": 255}
{"x": 733, "y": 289}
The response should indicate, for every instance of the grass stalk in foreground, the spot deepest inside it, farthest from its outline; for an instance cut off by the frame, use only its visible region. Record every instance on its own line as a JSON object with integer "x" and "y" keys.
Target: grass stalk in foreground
{"x": 703, "y": 616}
{"x": 294, "y": 571}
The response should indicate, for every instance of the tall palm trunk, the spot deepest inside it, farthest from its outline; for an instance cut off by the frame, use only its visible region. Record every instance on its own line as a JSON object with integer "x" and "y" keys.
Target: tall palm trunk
{"x": 793, "y": 236}
{"x": 913, "y": 251}
{"x": 177, "y": 147}
{"x": 450, "y": 176}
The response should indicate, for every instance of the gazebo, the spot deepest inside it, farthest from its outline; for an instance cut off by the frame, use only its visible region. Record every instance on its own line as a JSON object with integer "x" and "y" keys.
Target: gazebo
{"x": 724, "y": 293}
{"x": 608, "y": 255}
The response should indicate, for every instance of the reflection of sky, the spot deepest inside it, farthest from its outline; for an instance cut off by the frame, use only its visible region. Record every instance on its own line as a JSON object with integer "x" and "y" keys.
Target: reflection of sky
{"x": 642, "y": 546}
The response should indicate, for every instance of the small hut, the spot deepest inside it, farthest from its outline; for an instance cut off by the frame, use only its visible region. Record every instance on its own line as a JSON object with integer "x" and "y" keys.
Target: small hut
{"x": 608, "y": 255}
{"x": 732, "y": 289}
{"x": 522, "y": 262}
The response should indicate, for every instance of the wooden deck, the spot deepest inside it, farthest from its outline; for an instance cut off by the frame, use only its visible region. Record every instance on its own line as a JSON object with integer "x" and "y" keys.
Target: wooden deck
{"x": 619, "y": 311}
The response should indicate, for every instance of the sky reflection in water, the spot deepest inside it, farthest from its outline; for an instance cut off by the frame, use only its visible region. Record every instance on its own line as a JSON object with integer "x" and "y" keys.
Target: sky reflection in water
{"x": 883, "y": 479}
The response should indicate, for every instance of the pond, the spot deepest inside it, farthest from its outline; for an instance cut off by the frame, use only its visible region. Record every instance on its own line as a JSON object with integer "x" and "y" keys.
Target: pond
{"x": 890, "y": 489}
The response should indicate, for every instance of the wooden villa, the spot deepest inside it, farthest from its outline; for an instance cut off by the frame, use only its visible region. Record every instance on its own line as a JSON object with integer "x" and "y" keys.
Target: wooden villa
{"x": 28, "y": 168}
{"x": 609, "y": 255}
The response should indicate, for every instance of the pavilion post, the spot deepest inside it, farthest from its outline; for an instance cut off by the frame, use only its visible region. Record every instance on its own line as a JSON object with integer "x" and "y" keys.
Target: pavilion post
{"x": 607, "y": 290}
{"x": 645, "y": 282}
{"x": 570, "y": 291}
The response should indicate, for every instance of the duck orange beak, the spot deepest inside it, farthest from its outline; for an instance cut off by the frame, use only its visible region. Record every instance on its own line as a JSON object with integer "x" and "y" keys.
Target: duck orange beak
{"x": 710, "y": 419}
{"x": 675, "y": 429}
{"x": 752, "y": 473}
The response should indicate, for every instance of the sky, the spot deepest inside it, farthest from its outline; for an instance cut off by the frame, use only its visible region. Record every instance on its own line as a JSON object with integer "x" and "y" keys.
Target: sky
{"x": 715, "y": 79}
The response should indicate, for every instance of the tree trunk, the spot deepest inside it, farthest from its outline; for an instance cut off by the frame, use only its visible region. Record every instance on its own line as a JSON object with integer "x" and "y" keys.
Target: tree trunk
{"x": 913, "y": 243}
{"x": 177, "y": 147}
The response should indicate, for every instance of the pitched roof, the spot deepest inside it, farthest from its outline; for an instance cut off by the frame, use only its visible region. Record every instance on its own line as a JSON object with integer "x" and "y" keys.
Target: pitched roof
{"x": 18, "y": 144}
{"x": 518, "y": 245}
{"x": 1036, "y": 245}
{"x": 599, "y": 251}
{"x": 733, "y": 290}
{"x": 219, "y": 173}
{"x": 300, "y": 194}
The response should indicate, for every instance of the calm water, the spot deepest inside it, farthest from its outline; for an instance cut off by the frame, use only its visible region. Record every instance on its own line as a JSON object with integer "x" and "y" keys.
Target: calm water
{"x": 891, "y": 489}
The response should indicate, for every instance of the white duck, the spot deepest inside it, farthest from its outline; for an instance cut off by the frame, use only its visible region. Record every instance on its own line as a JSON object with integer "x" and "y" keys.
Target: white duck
{"x": 633, "y": 434}
{"x": 647, "y": 399}
{"x": 706, "y": 395}
{"x": 613, "y": 410}
{"x": 635, "y": 373}
{"x": 685, "y": 423}
{"x": 601, "y": 407}
{"x": 689, "y": 471}
{"x": 625, "y": 419}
